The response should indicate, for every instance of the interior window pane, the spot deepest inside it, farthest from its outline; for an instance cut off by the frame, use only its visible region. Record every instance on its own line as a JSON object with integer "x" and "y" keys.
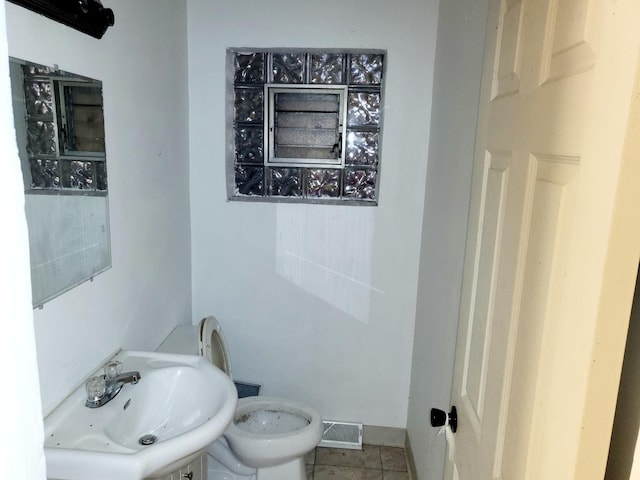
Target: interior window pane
{"x": 323, "y": 182}
{"x": 249, "y": 180}
{"x": 77, "y": 175}
{"x": 39, "y": 100}
{"x": 44, "y": 173}
{"x": 364, "y": 109}
{"x": 288, "y": 67}
{"x": 101, "y": 176}
{"x": 327, "y": 153}
{"x": 249, "y": 68}
{"x": 362, "y": 148}
{"x": 41, "y": 138}
{"x": 307, "y": 102}
{"x": 249, "y": 144}
{"x": 248, "y": 105}
{"x": 306, "y": 137}
{"x": 366, "y": 69}
{"x": 327, "y": 68}
{"x": 360, "y": 183}
{"x": 286, "y": 182}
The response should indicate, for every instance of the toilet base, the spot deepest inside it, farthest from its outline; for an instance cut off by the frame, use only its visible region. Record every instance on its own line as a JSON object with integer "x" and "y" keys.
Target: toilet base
{"x": 217, "y": 471}
{"x": 293, "y": 470}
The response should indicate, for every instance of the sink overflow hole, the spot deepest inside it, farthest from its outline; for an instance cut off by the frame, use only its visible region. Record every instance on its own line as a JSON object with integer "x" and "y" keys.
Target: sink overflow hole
{"x": 126, "y": 405}
{"x": 147, "y": 439}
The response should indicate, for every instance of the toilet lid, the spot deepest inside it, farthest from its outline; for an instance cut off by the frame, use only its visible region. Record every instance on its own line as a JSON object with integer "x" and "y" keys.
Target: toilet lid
{"x": 213, "y": 345}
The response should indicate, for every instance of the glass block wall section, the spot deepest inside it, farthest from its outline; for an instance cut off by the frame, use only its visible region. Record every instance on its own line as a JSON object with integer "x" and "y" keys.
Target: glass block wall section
{"x": 50, "y": 167}
{"x": 357, "y": 181}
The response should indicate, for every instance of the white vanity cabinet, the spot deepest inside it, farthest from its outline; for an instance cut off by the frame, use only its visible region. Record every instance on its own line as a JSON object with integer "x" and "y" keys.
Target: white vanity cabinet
{"x": 194, "y": 470}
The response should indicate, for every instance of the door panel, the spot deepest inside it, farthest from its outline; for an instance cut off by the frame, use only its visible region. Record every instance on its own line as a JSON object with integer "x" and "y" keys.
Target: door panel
{"x": 480, "y": 319}
{"x": 547, "y": 215}
{"x": 570, "y": 38}
{"x": 509, "y": 49}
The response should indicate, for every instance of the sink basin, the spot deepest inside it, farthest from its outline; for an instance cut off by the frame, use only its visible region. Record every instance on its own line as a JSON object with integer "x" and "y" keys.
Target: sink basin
{"x": 182, "y": 403}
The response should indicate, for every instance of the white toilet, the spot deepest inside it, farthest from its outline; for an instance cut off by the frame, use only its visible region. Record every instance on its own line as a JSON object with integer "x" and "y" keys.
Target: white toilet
{"x": 268, "y": 436}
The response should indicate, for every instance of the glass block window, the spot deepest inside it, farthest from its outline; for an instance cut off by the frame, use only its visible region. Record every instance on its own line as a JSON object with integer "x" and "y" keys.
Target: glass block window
{"x": 65, "y": 141}
{"x": 306, "y": 126}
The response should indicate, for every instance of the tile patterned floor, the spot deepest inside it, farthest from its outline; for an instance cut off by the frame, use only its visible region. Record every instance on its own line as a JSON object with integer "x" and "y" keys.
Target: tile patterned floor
{"x": 370, "y": 463}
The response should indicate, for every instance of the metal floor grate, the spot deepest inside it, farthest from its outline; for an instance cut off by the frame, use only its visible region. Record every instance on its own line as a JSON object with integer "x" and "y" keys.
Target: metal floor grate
{"x": 341, "y": 435}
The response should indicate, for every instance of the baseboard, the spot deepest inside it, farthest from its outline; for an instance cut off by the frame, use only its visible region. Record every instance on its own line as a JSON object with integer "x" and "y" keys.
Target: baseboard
{"x": 384, "y": 436}
{"x": 411, "y": 462}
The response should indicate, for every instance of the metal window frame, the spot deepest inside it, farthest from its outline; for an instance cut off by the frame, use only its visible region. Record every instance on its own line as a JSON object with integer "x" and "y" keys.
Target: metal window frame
{"x": 270, "y": 90}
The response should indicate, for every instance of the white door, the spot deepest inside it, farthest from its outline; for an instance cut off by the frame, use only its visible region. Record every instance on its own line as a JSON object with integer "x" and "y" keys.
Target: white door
{"x": 549, "y": 267}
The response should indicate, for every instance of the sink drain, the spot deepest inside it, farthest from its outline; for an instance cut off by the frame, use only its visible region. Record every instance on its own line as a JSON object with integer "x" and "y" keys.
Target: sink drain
{"x": 147, "y": 440}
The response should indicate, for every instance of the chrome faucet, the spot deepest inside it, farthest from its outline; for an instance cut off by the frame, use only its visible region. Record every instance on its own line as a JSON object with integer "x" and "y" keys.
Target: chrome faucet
{"x": 102, "y": 389}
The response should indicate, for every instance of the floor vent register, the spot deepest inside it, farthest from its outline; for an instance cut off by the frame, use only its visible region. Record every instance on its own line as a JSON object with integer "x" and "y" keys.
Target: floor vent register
{"x": 341, "y": 435}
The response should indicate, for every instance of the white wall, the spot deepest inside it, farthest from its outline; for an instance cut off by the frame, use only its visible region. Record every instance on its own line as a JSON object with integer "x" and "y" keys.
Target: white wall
{"x": 459, "y": 55}
{"x": 303, "y": 317}
{"x": 142, "y": 64}
{"x": 21, "y": 453}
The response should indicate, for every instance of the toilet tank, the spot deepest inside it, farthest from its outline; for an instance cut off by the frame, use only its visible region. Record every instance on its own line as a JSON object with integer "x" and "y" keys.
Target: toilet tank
{"x": 183, "y": 339}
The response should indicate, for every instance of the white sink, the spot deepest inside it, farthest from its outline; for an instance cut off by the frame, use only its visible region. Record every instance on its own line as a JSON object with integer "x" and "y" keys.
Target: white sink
{"x": 182, "y": 400}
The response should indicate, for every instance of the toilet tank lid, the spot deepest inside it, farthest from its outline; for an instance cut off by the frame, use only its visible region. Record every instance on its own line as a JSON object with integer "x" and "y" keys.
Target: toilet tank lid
{"x": 213, "y": 345}
{"x": 183, "y": 339}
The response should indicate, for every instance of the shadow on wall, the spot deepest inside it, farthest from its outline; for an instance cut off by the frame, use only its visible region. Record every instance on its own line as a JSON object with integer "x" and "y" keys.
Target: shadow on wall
{"x": 627, "y": 418}
{"x": 327, "y": 251}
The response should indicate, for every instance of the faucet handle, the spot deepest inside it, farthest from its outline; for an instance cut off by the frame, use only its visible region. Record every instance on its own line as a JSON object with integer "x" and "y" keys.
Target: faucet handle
{"x": 112, "y": 369}
{"x": 96, "y": 388}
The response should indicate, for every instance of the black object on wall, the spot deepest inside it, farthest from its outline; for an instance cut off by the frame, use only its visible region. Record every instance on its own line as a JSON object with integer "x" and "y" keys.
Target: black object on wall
{"x": 87, "y": 16}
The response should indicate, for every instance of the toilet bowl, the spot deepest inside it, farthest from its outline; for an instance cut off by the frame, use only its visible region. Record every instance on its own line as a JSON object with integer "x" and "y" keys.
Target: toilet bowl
{"x": 268, "y": 436}
{"x": 273, "y": 434}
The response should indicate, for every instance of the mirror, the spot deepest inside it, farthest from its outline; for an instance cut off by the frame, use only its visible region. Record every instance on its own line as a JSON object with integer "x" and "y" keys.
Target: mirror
{"x": 59, "y": 124}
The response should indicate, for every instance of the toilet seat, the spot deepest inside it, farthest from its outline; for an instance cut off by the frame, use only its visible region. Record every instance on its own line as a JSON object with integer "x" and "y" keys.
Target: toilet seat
{"x": 212, "y": 344}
